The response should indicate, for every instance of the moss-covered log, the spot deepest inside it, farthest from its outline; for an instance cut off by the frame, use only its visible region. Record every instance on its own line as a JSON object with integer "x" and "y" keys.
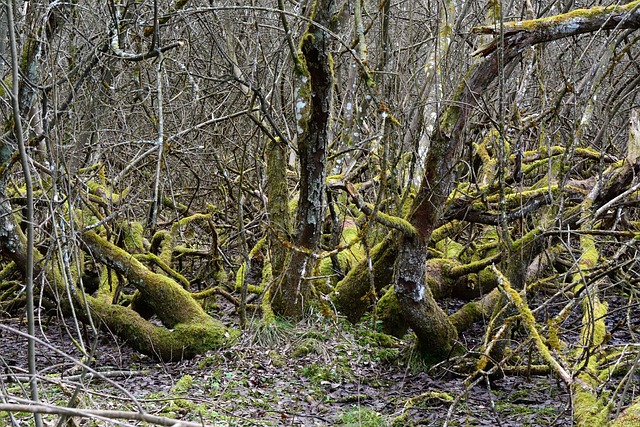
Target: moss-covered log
{"x": 184, "y": 340}
{"x": 189, "y": 330}
{"x": 351, "y": 295}
{"x": 166, "y": 298}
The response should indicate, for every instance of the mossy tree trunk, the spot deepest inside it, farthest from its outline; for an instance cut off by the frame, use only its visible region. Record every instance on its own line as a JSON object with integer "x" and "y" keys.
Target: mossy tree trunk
{"x": 314, "y": 76}
{"x": 278, "y": 205}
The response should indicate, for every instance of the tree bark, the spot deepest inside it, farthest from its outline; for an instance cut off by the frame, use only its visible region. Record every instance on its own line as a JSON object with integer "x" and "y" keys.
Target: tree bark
{"x": 313, "y": 113}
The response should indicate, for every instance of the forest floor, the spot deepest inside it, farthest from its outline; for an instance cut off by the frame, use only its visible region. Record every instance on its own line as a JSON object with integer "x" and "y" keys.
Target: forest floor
{"x": 317, "y": 373}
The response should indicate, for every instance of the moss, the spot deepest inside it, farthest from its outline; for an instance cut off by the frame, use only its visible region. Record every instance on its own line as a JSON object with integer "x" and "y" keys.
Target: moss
{"x": 166, "y": 247}
{"x": 317, "y": 373}
{"x": 156, "y": 240}
{"x": 466, "y": 316}
{"x": 429, "y": 398}
{"x": 450, "y": 248}
{"x": 577, "y": 15}
{"x": 185, "y": 227}
{"x": 132, "y": 237}
{"x": 529, "y": 323}
{"x": 276, "y": 359}
{"x": 240, "y": 276}
{"x": 182, "y": 385}
{"x": 278, "y": 204}
{"x": 390, "y": 315}
{"x": 350, "y": 253}
{"x": 105, "y": 194}
{"x": 630, "y": 417}
{"x": 268, "y": 316}
{"x": 486, "y": 153}
{"x": 437, "y": 278}
{"x": 590, "y": 253}
{"x": 306, "y": 346}
{"x": 553, "y": 336}
{"x": 350, "y": 296}
{"x": 526, "y": 240}
{"x": 362, "y": 417}
{"x": 164, "y": 267}
{"x": 184, "y": 341}
{"x": 589, "y": 410}
{"x": 168, "y": 300}
{"x": 594, "y": 332}
{"x": 445, "y": 230}
{"x": 397, "y": 223}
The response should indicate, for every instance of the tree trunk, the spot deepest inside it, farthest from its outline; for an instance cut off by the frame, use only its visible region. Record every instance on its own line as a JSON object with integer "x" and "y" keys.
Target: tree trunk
{"x": 313, "y": 113}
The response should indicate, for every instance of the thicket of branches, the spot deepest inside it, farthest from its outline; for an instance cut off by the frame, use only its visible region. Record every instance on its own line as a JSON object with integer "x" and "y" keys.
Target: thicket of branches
{"x": 150, "y": 128}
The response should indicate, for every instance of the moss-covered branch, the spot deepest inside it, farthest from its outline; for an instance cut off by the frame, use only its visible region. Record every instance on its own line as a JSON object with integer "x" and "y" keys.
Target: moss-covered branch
{"x": 519, "y": 35}
{"x": 529, "y": 323}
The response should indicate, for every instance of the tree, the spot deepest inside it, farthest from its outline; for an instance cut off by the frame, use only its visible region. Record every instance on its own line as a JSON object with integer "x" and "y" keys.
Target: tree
{"x": 313, "y": 79}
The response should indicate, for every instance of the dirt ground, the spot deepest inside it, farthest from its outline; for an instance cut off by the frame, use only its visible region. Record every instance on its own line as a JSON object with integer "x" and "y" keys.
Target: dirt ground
{"x": 317, "y": 373}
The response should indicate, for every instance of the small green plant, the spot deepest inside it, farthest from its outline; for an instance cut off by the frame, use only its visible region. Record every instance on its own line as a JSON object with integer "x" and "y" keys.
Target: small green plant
{"x": 362, "y": 417}
{"x": 272, "y": 333}
{"x": 316, "y": 373}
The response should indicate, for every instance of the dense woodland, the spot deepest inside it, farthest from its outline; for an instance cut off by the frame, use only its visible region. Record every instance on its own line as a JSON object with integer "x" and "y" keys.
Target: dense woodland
{"x": 179, "y": 174}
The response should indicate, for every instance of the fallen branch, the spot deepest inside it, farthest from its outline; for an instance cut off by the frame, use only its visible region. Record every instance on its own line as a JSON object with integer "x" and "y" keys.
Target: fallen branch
{"x": 529, "y": 323}
{"x": 96, "y": 413}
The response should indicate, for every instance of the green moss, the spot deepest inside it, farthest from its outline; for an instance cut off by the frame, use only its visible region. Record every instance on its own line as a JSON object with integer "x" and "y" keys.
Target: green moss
{"x": 350, "y": 294}
{"x": 307, "y": 346}
{"x": 319, "y": 372}
{"x": 376, "y": 339}
{"x": 155, "y": 260}
{"x": 184, "y": 341}
{"x": 350, "y": 252}
{"x": 445, "y": 230}
{"x": 428, "y": 399}
{"x": 362, "y": 417}
{"x": 475, "y": 311}
{"x": 590, "y": 253}
{"x": 108, "y": 286}
{"x": 240, "y": 275}
{"x": 630, "y": 417}
{"x": 450, "y": 248}
{"x": 589, "y": 410}
{"x": 8, "y": 83}
{"x": 101, "y": 190}
{"x": 397, "y": 223}
{"x": 551, "y": 23}
{"x": 133, "y": 237}
{"x": 182, "y": 385}
{"x": 522, "y": 243}
{"x": 276, "y": 359}
{"x": 529, "y": 321}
